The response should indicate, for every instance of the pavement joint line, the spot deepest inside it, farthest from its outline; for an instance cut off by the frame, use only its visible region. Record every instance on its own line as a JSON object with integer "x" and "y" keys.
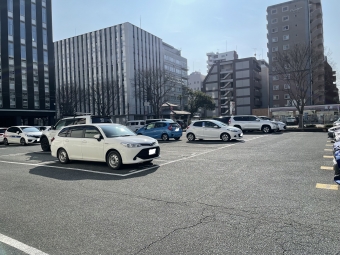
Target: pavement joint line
{"x": 329, "y": 145}
{"x": 326, "y": 168}
{"x": 137, "y": 171}
{"x": 328, "y": 150}
{"x": 20, "y": 246}
{"x": 327, "y": 186}
{"x": 327, "y": 156}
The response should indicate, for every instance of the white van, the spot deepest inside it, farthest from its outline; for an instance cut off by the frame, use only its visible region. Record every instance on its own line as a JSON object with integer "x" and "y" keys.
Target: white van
{"x": 134, "y": 125}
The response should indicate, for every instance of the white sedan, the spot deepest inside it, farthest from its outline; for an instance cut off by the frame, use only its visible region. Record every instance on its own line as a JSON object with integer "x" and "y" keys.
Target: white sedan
{"x": 22, "y": 135}
{"x": 212, "y": 129}
{"x": 114, "y": 144}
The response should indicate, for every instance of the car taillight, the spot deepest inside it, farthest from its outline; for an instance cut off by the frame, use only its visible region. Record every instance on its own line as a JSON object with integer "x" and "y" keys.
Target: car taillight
{"x": 170, "y": 127}
{"x": 52, "y": 139}
{"x": 188, "y": 127}
{"x": 229, "y": 121}
{"x": 1, "y": 134}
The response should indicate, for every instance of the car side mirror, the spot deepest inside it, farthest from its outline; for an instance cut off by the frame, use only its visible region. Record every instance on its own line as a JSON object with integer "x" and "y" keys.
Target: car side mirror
{"x": 98, "y": 137}
{"x": 18, "y": 132}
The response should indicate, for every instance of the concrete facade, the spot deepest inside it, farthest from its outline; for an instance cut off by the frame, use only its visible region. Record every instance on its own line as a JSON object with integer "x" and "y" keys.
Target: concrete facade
{"x": 195, "y": 81}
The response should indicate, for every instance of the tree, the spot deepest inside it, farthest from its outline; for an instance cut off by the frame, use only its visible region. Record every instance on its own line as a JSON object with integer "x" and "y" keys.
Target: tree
{"x": 68, "y": 100}
{"x": 300, "y": 68}
{"x": 198, "y": 99}
{"x": 104, "y": 97}
{"x": 153, "y": 86}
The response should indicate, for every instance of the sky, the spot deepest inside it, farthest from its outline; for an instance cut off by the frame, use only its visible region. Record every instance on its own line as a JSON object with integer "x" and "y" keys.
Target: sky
{"x": 196, "y": 27}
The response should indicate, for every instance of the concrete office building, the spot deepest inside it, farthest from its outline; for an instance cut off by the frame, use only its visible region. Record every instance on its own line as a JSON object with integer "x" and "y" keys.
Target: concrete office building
{"x": 213, "y": 58}
{"x": 265, "y": 82}
{"x": 27, "y": 91}
{"x": 195, "y": 81}
{"x": 289, "y": 23}
{"x": 234, "y": 83}
{"x": 112, "y": 56}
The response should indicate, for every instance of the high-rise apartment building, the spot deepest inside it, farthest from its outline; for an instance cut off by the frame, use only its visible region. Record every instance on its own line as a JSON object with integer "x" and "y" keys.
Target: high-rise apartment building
{"x": 195, "y": 81}
{"x": 112, "y": 56}
{"x": 26, "y": 63}
{"x": 214, "y": 58}
{"x": 290, "y": 23}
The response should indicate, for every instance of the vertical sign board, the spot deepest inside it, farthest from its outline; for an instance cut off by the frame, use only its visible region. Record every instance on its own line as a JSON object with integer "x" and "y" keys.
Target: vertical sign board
{"x": 232, "y": 108}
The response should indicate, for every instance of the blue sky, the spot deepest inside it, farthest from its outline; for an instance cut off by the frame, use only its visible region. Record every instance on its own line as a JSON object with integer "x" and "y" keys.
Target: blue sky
{"x": 194, "y": 26}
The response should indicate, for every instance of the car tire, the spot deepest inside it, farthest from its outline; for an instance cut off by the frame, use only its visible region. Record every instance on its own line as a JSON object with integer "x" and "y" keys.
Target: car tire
{"x": 266, "y": 129}
{"x": 114, "y": 160}
{"x": 225, "y": 137}
{"x": 6, "y": 141}
{"x": 45, "y": 146}
{"x": 23, "y": 142}
{"x": 63, "y": 156}
{"x": 191, "y": 137}
{"x": 165, "y": 137}
{"x": 177, "y": 138}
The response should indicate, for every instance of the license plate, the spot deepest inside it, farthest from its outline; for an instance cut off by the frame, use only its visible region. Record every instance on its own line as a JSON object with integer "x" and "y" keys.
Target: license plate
{"x": 152, "y": 151}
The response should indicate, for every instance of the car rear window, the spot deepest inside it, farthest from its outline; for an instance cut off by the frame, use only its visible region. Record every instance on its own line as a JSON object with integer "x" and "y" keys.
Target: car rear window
{"x": 101, "y": 120}
{"x": 175, "y": 125}
{"x": 2, "y": 130}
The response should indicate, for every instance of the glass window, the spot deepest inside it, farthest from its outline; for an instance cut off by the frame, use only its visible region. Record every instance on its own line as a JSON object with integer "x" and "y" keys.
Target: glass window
{"x": 101, "y": 120}
{"x": 90, "y": 132}
{"x": 209, "y": 124}
{"x": 44, "y": 19}
{"x": 274, "y": 21}
{"x": 10, "y": 5}
{"x": 64, "y": 132}
{"x": 276, "y": 97}
{"x": 30, "y": 129}
{"x": 252, "y": 118}
{"x": 150, "y": 126}
{"x": 116, "y": 130}
{"x": 275, "y": 39}
{"x": 34, "y": 33}
{"x": 10, "y": 49}
{"x": 285, "y": 8}
{"x": 44, "y": 36}
{"x": 60, "y": 124}
{"x": 23, "y": 51}
{"x": 10, "y": 27}
{"x": 34, "y": 11}
{"x": 35, "y": 55}
{"x": 22, "y": 7}
{"x": 78, "y": 121}
{"x": 274, "y": 11}
{"x": 274, "y": 30}
{"x": 76, "y": 132}
{"x": 22, "y": 30}
{"x": 198, "y": 124}
{"x": 45, "y": 57}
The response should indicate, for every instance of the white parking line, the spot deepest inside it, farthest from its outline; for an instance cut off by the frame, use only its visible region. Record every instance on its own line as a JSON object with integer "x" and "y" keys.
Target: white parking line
{"x": 131, "y": 172}
{"x": 20, "y": 246}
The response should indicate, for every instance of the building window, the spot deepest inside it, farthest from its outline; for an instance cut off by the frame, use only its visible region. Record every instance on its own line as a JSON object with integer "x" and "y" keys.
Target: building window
{"x": 273, "y": 11}
{"x": 275, "y": 39}
{"x": 285, "y": 28}
{"x": 44, "y": 19}
{"x": 22, "y": 31}
{"x": 286, "y": 37}
{"x": 286, "y": 96}
{"x": 34, "y": 33}
{"x": 276, "y": 97}
{"x": 274, "y": 58}
{"x": 274, "y": 30}
{"x": 274, "y": 21}
{"x": 273, "y": 68}
{"x": 276, "y": 105}
{"x": 35, "y": 55}
{"x": 274, "y": 49}
{"x": 10, "y": 5}
{"x": 10, "y": 27}
{"x": 22, "y": 8}
{"x": 286, "y": 76}
{"x": 275, "y": 78}
{"x": 276, "y": 87}
{"x": 286, "y": 47}
{"x": 285, "y": 9}
{"x": 286, "y": 86}
{"x": 23, "y": 51}
{"x": 11, "y": 50}
{"x": 285, "y": 18}
{"x": 45, "y": 58}
{"x": 34, "y": 11}
{"x": 44, "y": 36}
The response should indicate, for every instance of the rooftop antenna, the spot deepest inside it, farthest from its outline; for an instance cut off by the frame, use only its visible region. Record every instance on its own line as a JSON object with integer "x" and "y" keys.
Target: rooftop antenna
{"x": 140, "y": 21}
{"x": 255, "y": 52}
{"x": 226, "y": 46}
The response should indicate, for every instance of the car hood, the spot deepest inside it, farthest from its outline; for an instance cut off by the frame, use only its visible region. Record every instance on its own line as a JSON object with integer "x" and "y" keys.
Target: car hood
{"x": 133, "y": 139}
{"x": 231, "y": 128}
{"x": 33, "y": 133}
{"x": 278, "y": 122}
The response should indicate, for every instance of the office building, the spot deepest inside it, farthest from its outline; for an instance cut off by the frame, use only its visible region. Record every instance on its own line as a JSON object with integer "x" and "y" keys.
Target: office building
{"x": 214, "y": 58}
{"x": 26, "y": 63}
{"x": 290, "y": 23}
{"x": 111, "y": 57}
{"x": 235, "y": 86}
{"x": 195, "y": 81}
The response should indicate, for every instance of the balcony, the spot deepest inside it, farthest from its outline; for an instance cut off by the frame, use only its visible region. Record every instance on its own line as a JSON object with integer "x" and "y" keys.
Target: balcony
{"x": 226, "y": 71}
{"x": 257, "y": 102}
{"x": 317, "y": 42}
{"x": 228, "y": 85}
{"x": 257, "y": 94}
{"x": 257, "y": 76}
{"x": 317, "y": 32}
{"x": 315, "y": 23}
{"x": 257, "y": 85}
{"x": 315, "y": 13}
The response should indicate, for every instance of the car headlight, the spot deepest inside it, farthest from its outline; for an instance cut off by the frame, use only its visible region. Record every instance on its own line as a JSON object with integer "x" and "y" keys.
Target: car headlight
{"x": 29, "y": 135}
{"x": 233, "y": 130}
{"x": 131, "y": 145}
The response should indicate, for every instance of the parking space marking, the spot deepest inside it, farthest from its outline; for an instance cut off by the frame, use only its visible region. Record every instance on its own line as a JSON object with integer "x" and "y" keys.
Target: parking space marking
{"x": 20, "y": 246}
{"x": 328, "y": 149}
{"x": 47, "y": 162}
{"x": 328, "y": 156}
{"x": 327, "y": 186}
{"x": 326, "y": 168}
{"x": 329, "y": 145}
{"x": 13, "y": 155}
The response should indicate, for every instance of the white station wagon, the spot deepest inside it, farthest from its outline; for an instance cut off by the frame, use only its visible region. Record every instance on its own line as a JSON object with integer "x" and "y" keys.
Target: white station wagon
{"x": 114, "y": 144}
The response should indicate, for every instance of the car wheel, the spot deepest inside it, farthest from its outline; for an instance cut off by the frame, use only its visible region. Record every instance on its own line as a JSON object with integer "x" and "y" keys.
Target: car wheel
{"x": 177, "y": 138}
{"x": 63, "y": 156}
{"x": 114, "y": 160}
{"x": 23, "y": 142}
{"x": 6, "y": 141}
{"x": 266, "y": 129}
{"x": 45, "y": 146}
{"x": 191, "y": 137}
{"x": 165, "y": 137}
{"x": 225, "y": 137}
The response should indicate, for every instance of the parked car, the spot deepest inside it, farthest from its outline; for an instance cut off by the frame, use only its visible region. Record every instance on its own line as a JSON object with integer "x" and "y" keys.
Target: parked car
{"x": 134, "y": 125}
{"x": 2, "y": 132}
{"x": 332, "y": 131}
{"x": 292, "y": 121}
{"x": 212, "y": 129}
{"x": 336, "y": 123}
{"x": 182, "y": 124}
{"x": 224, "y": 119}
{"x": 252, "y": 123}
{"x": 42, "y": 128}
{"x": 76, "y": 120}
{"x": 162, "y": 130}
{"x": 282, "y": 126}
{"x": 148, "y": 121}
{"x": 114, "y": 144}
{"x": 22, "y": 135}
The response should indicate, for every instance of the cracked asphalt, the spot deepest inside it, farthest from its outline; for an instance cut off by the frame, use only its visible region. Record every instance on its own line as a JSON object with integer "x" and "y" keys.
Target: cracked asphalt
{"x": 255, "y": 196}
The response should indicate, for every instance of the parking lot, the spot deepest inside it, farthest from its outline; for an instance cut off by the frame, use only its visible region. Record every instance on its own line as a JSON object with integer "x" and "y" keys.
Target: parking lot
{"x": 264, "y": 194}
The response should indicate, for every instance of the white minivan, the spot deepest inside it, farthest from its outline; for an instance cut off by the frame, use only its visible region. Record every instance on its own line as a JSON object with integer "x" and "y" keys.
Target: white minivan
{"x": 134, "y": 125}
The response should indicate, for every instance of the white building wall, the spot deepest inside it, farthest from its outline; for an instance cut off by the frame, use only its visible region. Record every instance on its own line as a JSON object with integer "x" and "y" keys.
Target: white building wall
{"x": 195, "y": 81}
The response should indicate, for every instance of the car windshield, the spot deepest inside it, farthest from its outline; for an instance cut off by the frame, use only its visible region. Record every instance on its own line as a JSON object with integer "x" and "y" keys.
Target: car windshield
{"x": 116, "y": 131}
{"x": 30, "y": 129}
{"x": 220, "y": 123}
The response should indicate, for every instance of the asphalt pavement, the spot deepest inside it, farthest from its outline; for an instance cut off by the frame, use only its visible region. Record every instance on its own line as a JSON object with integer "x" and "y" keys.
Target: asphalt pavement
{"x": 265, "y": 194}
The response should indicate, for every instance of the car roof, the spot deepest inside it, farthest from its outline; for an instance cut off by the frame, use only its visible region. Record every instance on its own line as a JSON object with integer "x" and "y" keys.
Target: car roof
{"x": 94, "y": 124}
